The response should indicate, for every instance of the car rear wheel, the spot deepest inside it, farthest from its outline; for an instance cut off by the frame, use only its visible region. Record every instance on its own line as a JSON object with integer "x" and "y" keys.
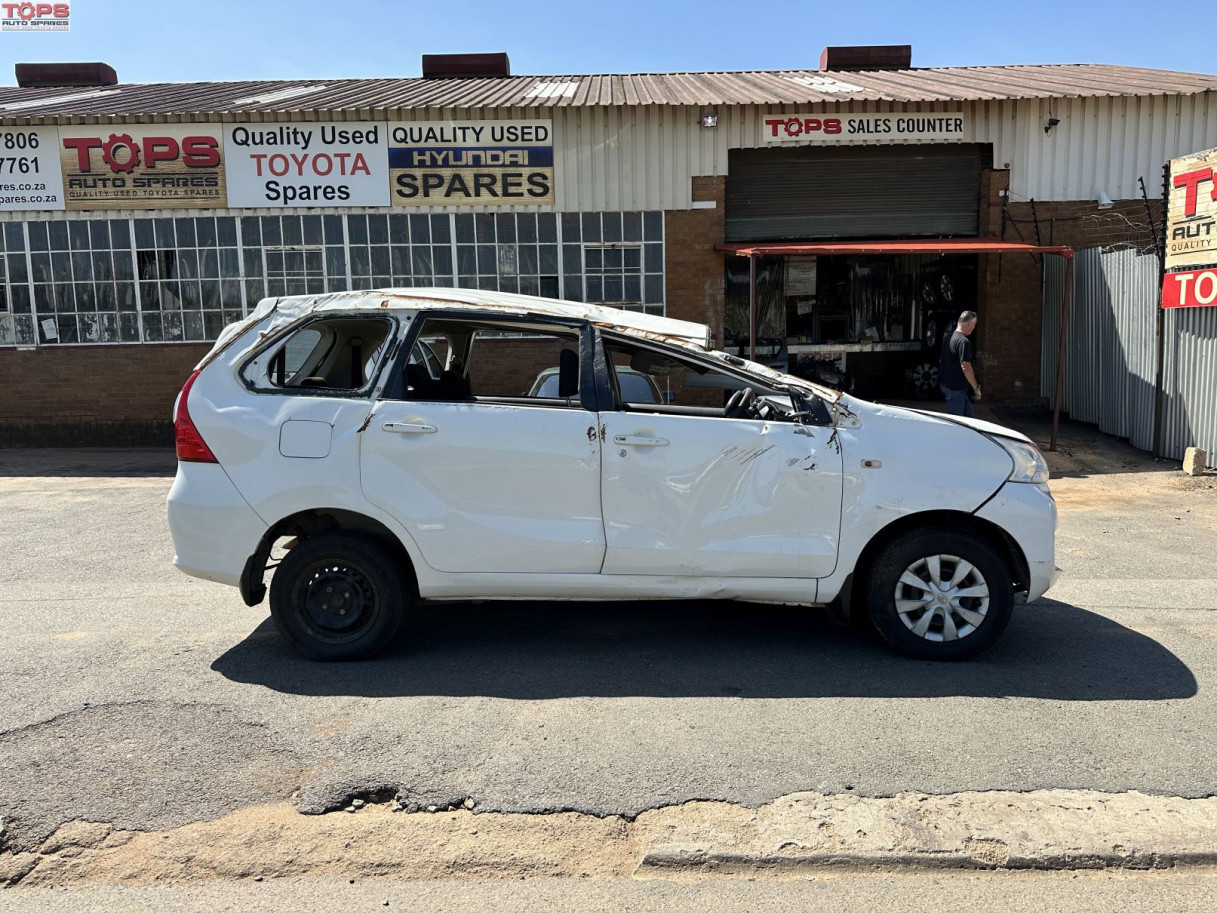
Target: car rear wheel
{"x": 939, "y": 594}
{"x": 338, "y": 596}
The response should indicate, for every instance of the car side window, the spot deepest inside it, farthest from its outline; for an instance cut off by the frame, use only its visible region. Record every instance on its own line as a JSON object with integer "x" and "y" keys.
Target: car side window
{"x": 648, "y": 378}
{"x": 330, "y": 353}
{"x": 518, "y": 363}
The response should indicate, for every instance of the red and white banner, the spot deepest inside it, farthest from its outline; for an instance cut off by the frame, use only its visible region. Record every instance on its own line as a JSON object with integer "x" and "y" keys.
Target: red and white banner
{"x": 1196, "y": 288}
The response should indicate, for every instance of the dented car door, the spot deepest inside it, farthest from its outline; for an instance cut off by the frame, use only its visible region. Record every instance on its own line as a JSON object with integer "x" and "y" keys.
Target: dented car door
{"x": 690, "y": 495}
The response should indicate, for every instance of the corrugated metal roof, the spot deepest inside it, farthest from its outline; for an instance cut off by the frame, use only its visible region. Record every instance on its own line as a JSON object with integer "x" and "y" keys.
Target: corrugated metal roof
{"x": 772, "y": 87}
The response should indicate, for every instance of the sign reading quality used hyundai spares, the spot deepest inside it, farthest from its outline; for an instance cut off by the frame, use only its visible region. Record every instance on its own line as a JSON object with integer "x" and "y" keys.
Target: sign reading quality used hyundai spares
{"x": 153, "y": 166}
{"x": 307, "y": 164}
{"x": 471, "y": 163}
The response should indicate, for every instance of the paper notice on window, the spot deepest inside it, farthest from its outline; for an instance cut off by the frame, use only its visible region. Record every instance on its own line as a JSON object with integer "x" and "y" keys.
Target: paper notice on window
{"x": 50, "y": 329}
{"x": 800, "y": 276}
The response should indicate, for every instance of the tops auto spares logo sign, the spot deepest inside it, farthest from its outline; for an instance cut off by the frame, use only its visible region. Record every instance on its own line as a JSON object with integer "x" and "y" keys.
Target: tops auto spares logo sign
{"x": 1191, "y": 212}
{"x": 161, "y": 166}
{"x": 35, "y": 17}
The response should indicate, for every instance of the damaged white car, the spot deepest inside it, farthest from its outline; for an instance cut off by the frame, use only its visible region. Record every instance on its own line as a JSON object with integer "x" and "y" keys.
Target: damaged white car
{"x": 394, "y": 443}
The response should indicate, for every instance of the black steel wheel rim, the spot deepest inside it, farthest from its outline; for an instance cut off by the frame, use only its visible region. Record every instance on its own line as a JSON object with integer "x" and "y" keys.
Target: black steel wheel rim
{"x": 337, "y": 601}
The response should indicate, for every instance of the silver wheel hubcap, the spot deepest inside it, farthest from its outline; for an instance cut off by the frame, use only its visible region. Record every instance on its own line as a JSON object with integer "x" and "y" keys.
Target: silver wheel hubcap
{"x": 942, "y": 598}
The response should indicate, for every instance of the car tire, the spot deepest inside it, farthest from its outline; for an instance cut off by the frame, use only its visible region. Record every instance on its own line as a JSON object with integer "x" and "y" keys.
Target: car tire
{"x": 939, "y": 594}
{"x": 338, "y": 596}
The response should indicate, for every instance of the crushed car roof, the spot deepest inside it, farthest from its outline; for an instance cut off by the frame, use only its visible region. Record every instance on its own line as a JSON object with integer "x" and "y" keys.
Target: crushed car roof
{"x": 474, "y": 299}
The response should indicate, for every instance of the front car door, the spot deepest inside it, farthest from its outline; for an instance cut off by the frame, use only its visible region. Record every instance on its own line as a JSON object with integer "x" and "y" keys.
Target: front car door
{"x": 689, "y": 491}
{"x": 486, "y": 477}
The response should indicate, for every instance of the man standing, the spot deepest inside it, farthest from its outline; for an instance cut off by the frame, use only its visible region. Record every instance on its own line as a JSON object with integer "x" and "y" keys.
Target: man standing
{"x": 956, "y": 372}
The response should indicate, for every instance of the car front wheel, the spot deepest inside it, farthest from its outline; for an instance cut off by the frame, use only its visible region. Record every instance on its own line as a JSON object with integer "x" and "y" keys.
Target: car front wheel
{"x": 939, "y": 594}
{"x": 338, "y": 596}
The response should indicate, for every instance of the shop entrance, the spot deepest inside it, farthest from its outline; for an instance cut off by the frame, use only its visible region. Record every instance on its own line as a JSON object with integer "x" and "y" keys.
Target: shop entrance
{"x": 754, "y": 252}
{"x": 816, "y": 315}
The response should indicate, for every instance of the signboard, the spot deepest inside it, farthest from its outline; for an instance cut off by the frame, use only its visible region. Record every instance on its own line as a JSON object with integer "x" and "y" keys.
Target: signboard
{"x": 307, "y": 164}
{"x": 1196, "y": 288}
{"x": 1191, "y": 236}
{"x": 29, "y": 169}
{"x": 800, "y": 276}
{"x": 871, "y": 128}
{"x": 35, "y": 17}
{"x": 471, "y": 163}
{"x": 146, "y": 166}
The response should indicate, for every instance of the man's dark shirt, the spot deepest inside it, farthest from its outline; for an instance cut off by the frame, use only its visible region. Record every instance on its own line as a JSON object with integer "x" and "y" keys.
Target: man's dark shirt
{"x": 955, "y": 348}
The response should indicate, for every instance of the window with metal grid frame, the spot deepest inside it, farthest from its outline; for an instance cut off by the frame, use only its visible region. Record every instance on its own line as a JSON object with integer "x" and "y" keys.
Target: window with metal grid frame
{"x": 295, "y": 270}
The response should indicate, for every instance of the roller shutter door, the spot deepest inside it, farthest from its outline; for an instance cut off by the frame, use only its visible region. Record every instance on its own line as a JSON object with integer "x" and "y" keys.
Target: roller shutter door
{"x": 806, "y": 193}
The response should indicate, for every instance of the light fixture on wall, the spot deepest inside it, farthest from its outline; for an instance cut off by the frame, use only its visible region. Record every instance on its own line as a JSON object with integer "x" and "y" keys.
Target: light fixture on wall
{"x": 1104, "y": 201}
{"x": 1052, "y": 122}
{"x": 709, "y": 120}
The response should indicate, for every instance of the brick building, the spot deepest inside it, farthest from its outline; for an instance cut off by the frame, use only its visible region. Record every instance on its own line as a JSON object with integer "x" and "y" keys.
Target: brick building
{"x": 137, "y": 220}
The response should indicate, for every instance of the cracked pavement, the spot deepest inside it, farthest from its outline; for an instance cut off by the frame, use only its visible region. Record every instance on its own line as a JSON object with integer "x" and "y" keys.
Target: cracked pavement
{"x": 136, "y": 697}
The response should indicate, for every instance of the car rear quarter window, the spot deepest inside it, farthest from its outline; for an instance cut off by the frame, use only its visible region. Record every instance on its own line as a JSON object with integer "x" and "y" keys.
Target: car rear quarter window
{"x": 332, "y": 354}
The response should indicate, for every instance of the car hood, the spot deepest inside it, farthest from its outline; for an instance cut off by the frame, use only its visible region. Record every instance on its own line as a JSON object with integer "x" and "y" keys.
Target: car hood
{"x": 977, "y": 425}
{"x": 860, "y": 407}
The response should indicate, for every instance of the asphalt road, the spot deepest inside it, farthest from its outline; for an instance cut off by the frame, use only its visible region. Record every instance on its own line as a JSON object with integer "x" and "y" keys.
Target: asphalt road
{"x": 134, "y": 695}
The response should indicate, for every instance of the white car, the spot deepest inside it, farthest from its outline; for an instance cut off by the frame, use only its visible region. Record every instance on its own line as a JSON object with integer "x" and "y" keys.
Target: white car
{"x": 381, "y": 438}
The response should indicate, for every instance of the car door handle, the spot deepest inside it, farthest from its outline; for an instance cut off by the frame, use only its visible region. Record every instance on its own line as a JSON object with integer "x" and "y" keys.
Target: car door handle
{"x": 410, "y": 428}
{"x": 634, "y": 440}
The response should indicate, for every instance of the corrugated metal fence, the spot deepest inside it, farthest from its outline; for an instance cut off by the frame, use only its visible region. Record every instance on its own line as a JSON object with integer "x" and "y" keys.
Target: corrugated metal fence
{"x": 1110, "y": 359}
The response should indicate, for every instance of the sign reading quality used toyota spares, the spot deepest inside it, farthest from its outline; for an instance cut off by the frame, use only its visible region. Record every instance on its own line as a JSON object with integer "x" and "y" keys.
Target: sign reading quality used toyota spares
{"x": 307, "y": 164}
{"x": 471, "y": 163}
{"x": 153, "y": 166}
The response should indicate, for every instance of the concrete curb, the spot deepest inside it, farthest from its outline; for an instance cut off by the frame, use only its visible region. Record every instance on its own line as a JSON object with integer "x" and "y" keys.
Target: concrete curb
{"x": 1046, "y": 830}
{"x": 1051, "y": 830}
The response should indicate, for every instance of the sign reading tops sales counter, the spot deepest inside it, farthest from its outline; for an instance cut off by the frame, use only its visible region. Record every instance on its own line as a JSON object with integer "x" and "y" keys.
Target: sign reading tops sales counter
{"x": 870, "y": 128}
{"x": 471, "y": 163}
{"x": 307, "y": 164}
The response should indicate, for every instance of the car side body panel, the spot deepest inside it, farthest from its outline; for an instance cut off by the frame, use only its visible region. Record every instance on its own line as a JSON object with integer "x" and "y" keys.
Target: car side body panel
{"x": 532, "y": 507}
{"x": 695, "y": 496}
{"x": 898, "y": 463}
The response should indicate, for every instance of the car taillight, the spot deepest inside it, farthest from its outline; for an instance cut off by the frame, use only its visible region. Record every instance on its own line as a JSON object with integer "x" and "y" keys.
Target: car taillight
{"x": 191, "y": 448}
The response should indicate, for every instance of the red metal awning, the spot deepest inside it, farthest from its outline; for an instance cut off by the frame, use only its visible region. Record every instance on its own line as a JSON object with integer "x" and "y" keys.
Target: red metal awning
{"x": 912, "y": 246}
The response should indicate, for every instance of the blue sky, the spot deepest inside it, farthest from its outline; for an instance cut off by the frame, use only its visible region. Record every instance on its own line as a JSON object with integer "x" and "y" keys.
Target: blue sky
{"x": 175, "y": 41}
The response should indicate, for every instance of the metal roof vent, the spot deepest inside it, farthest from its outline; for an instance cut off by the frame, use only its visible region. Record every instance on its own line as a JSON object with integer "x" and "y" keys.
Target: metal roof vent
{"x": 466, "y": 66}
{"x": 868, "y": 57}
{"x": 62, "y": 75}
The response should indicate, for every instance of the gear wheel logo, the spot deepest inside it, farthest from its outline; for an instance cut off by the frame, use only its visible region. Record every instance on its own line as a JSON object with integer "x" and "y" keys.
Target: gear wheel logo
{"x": 120, "y": 141}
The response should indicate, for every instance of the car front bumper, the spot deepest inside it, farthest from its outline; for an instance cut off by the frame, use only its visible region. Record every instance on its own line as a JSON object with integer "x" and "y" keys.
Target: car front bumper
{"x": 1028, "y": 513}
